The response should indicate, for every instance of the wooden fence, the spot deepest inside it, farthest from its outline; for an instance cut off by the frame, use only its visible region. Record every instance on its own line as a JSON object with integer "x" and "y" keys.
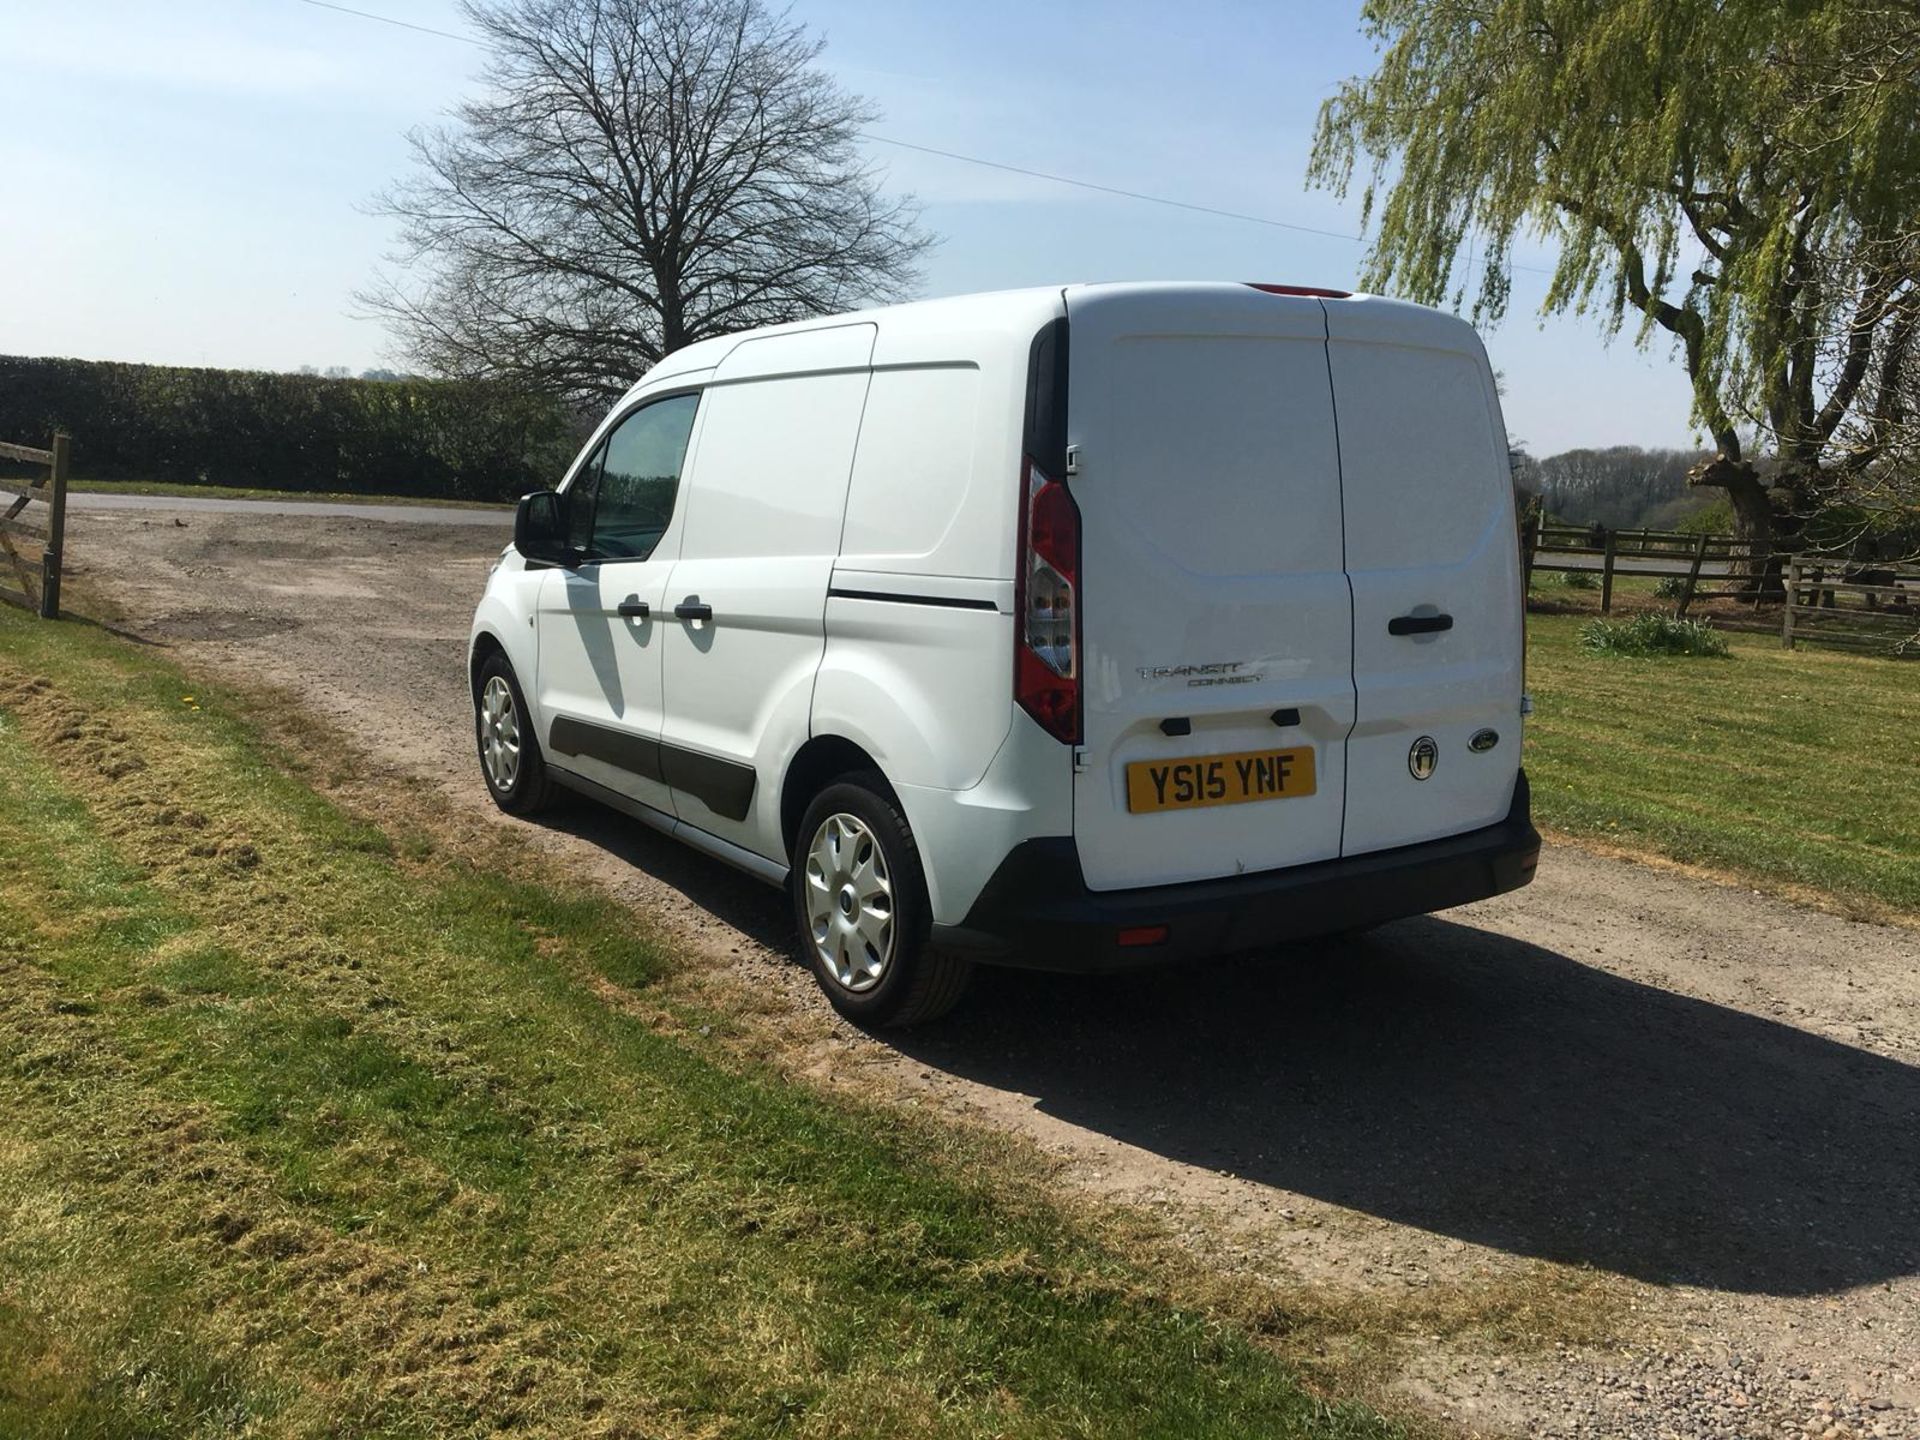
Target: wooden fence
{"x": 1877, "y": 611}
{"x": 1655, "y": 554}
{"x": 1870, "y": 607}
{"x": 36, "y": 578}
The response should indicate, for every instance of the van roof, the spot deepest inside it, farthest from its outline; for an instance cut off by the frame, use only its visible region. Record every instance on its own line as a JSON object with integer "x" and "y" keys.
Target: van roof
{"x": 1023, "y": 311}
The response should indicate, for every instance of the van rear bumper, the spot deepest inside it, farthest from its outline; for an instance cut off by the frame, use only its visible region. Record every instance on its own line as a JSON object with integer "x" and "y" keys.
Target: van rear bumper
{"x": 1036, "y": 911}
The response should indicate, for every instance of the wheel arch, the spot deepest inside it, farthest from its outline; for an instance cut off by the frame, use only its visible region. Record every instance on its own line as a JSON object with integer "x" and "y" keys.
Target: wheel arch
{"x": 816, "y": 765}
{"x": 485, "y": 646}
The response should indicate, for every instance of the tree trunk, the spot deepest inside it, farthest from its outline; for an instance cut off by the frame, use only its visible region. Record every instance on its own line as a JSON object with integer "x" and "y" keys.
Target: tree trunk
{"x": 1758, "y": 570}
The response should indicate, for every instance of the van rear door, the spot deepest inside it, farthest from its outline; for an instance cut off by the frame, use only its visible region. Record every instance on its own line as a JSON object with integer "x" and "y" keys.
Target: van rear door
{"x": 1433, "y": 557}
{"x": 1215, "y": 616}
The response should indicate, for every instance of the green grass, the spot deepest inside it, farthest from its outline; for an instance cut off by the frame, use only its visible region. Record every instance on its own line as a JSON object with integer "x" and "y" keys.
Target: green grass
{"x": 244, "y": 492}
{"x": 308, "y": 1127}
{"x": 1796, "y": 770}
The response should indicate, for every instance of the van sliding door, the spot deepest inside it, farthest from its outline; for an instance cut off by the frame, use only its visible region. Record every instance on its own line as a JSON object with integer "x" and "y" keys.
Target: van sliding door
{"x": 745, "y": 604}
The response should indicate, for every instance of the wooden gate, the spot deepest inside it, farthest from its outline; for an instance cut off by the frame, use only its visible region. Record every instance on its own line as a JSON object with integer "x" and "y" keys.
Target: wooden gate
{"x": 33, "y": 580}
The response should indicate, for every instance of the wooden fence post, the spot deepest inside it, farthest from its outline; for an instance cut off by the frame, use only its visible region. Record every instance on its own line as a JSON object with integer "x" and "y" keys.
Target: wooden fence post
{"x": 50, "y": 557}
{"x": 1529, "y": 542}
{"x": 1606, "y": 574}
{"x": 1793, "y": 598}
{"x": 1693, "y": 575}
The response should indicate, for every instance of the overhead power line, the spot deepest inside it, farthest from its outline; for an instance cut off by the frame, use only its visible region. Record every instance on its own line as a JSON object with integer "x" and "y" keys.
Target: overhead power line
{"x": 985, "y": 163}
{"x": 928, "y": 149}
{"x": 389, "y": 20}
{"x": 1110, "y": 189}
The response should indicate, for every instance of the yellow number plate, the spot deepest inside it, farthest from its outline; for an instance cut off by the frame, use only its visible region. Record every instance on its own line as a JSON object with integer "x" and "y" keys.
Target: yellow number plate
{"x": 1219, "y": 779}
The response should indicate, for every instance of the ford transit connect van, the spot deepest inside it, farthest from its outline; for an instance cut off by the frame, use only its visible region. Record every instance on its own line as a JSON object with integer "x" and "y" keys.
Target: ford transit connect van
{"x": 1074, "y": 628}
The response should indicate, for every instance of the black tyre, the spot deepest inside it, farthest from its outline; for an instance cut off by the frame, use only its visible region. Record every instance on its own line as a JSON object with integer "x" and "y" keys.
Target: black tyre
{"x": 860, "y": 900}
{"x": 510, "y": 759}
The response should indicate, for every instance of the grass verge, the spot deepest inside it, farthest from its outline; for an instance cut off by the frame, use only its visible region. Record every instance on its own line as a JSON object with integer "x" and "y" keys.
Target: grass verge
{"x": 307, "y": 1127}
{"x": 1796, "y": 771}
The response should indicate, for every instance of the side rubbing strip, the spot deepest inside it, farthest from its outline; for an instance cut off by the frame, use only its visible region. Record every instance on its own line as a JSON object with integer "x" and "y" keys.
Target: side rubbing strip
{"x": 636, "y": 754}
{"x": 723, "y": 786}
{"x": 951, "y": 602}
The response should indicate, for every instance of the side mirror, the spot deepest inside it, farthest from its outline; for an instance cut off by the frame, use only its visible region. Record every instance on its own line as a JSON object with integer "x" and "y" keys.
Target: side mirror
{"x": 540, "y": 528}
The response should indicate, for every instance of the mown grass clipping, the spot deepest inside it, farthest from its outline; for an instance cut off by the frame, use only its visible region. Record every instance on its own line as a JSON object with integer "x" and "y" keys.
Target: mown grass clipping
{"x": 309, "y": 1129}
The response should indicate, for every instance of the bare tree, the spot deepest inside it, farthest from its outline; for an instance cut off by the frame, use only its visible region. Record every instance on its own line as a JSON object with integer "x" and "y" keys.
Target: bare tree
{"x": 639, "y": 175}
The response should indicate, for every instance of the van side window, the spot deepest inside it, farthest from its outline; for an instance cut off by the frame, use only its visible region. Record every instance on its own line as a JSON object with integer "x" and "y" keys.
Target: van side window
{"x": 639, "y": 476}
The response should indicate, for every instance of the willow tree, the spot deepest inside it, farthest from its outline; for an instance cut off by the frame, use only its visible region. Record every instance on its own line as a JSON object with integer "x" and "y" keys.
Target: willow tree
{"x": 1739, "y": 176}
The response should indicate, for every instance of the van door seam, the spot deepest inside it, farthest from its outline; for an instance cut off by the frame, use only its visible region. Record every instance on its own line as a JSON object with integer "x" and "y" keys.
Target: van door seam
{"x": 1353, "y": 644}
{"x": 839, "y": 544}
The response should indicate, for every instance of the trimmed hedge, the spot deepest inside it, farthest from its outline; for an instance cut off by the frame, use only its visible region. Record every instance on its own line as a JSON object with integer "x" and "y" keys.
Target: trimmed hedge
{"x": 445, "y": 438}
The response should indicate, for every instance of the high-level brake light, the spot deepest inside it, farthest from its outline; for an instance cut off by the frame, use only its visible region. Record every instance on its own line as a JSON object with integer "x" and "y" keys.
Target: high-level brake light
{"x": 1301, "y": 290}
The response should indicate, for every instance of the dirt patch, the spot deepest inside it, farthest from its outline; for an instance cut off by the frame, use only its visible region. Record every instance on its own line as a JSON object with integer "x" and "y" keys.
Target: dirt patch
{"x": 215, "y": 625}
{"x": 1686, "y": 1113}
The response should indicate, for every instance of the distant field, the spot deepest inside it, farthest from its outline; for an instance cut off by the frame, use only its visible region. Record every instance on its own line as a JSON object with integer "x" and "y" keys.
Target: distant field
{"x": 243, "y": 492}
{"x": 1797, "y": 770}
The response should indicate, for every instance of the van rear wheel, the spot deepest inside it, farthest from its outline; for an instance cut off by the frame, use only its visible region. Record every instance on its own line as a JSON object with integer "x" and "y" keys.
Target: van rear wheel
{"x": 860, "y": 900}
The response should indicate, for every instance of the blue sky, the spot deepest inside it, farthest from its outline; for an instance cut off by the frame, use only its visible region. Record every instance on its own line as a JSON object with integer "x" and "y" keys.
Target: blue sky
{"x": 187, "y": 180}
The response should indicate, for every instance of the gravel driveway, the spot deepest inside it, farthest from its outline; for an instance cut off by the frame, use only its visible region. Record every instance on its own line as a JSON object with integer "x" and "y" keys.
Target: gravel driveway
{"x": 1706, "y": 1098}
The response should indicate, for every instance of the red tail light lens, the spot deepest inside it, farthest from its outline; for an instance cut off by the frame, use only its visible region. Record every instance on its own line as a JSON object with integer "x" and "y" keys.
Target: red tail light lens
{"x": 1046, "y": 670}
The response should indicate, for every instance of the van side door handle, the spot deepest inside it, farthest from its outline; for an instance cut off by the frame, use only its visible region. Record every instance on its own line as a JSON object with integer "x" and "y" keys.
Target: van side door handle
{"x": 693, "y": 610}
{"x": 1419, "y": 624}
{"x": 635, "y": 610}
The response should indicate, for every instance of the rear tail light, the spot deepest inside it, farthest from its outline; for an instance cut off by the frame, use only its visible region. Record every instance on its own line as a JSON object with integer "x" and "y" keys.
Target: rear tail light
{"x": 1046, "y": 669}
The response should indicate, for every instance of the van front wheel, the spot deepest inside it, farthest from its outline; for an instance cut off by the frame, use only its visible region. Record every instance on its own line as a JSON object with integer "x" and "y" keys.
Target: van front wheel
{"x": 510, "y": 759}
{"x": 860, "y": 899}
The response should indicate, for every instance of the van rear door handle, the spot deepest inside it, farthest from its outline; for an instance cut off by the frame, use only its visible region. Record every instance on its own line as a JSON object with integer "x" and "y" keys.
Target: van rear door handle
{"x": 693, "y": 610}
{"x": 1419, "y": 624}
{"x": 634, "y": 610}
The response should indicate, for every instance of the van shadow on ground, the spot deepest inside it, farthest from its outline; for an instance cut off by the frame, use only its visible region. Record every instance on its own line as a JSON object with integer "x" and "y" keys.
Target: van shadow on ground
{"x": 757, "y": 911}
{"x": 1450, "y": 1078}
{"x": 1477, "y": 1086}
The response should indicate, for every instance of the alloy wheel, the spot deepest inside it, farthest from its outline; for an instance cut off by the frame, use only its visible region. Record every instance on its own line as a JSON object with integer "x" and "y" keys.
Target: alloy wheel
{"x": 849, "y": 897}
{"x": 499, "y": 733}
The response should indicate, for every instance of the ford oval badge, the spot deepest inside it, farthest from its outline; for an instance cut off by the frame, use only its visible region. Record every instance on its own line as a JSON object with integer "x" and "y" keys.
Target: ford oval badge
{"x": 1483, "y": 741}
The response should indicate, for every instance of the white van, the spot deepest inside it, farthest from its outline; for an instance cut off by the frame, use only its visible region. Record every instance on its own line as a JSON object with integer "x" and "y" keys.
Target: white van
{"x": 1073, "y": 628}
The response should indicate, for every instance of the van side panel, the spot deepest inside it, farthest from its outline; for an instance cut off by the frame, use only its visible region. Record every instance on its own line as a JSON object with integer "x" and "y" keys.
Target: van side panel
{"x": 919, "y": 641}
{"x": 766, "y": 492}
{"x": 1429, "y": 532}
{"x": 918, "y": 669}
{"x": 913, "y": 684}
